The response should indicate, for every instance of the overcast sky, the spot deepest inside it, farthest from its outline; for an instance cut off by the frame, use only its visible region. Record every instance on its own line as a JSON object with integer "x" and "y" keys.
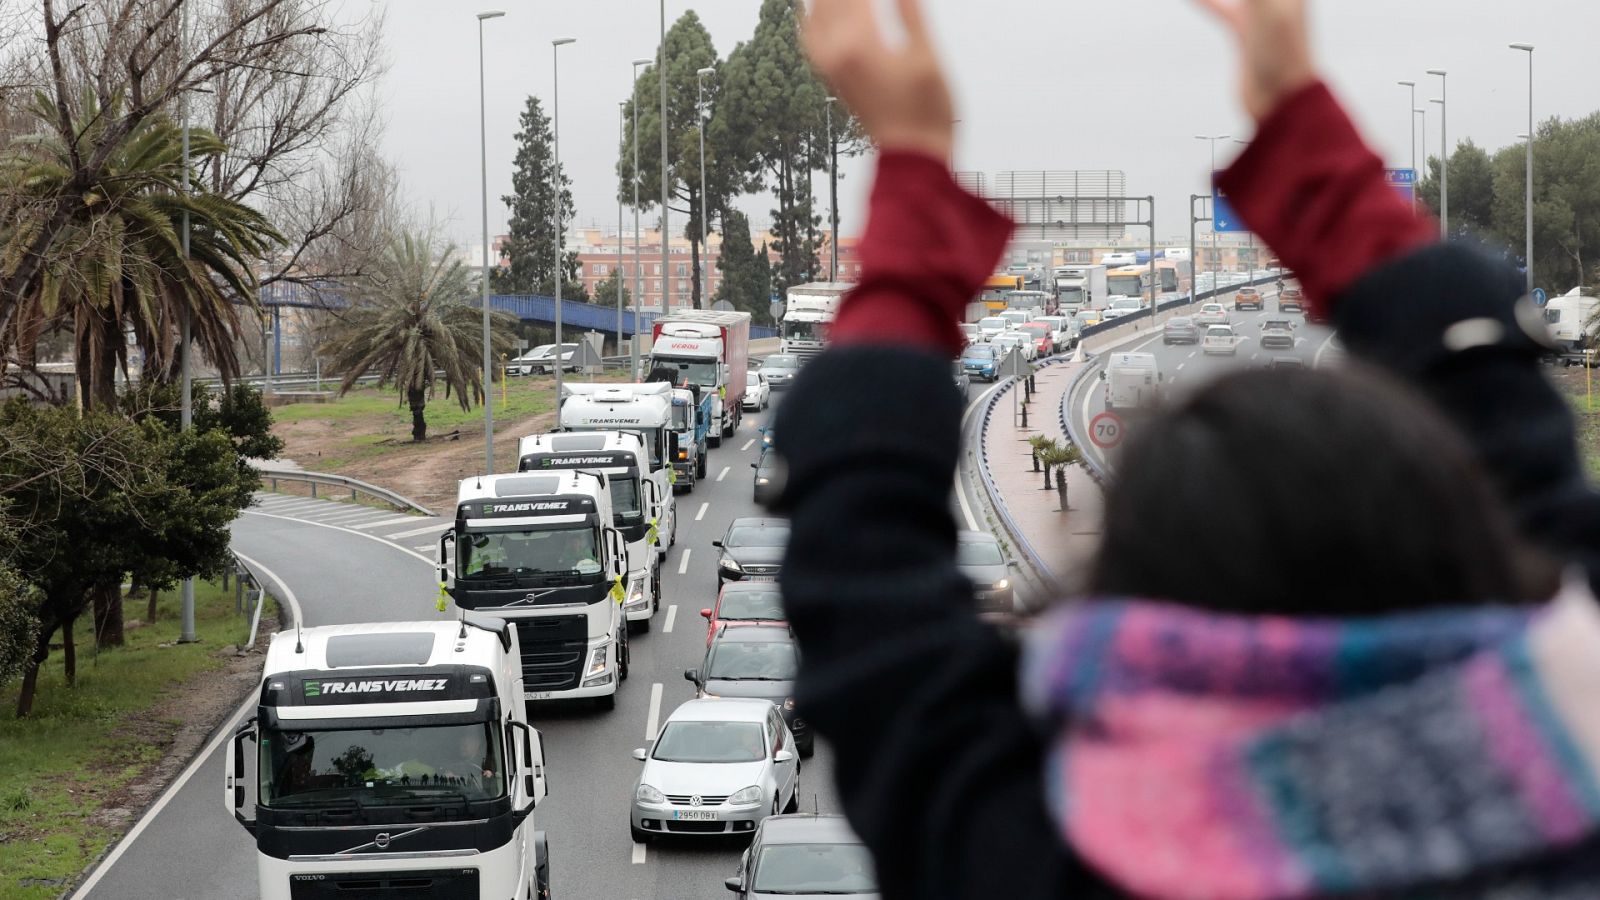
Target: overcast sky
{"x": 1040, "y": 84}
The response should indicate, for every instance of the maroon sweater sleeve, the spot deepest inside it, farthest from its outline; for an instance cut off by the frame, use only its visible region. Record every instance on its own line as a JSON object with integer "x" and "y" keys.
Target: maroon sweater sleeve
{"x": 928, "y": 248}
{"x": 1318, "y": 197}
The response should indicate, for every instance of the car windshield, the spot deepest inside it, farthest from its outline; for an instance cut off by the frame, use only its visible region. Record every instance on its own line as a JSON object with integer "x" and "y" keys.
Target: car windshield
{"x": 978, "y": 553}
{"x": 1219, "y": 331}
{"x": 761, "y": 605}
{"x": 1180, "y": 322}
{"x": 979, "y": 351}
{"x": 1277, "y": 323}
{"x": 991, "y": 323}
{"x": 1125, "y": 303}
{"x": 757, "y": 536}
{"x": 815, "y": 869}
{"x": 752, "y": 379}
{"x": 752, "y": 661}
{"x": 780, "y": 363}
{"x": 516, "y": 551}
{"x": 710, "y": 742}
{"x": 380, "y": 766}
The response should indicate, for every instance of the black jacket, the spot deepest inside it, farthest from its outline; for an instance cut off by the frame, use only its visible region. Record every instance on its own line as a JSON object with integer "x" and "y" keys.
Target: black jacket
{"x": 940, "y": 771}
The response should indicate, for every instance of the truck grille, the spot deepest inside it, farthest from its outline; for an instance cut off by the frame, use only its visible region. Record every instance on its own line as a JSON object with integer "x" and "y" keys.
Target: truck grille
{"x": 553, "y": 651}
{"x": 417, "y": 885}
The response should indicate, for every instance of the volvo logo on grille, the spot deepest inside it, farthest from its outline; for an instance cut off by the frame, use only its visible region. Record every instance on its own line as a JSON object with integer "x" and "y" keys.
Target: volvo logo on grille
{"x": 382, "y": 840}
{"x": 694, "y": 800}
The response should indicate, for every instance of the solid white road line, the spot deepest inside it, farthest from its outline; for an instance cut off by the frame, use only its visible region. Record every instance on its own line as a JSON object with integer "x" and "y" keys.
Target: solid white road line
{"x": 224, "y": 733}
{"x": 701, "y": 514}
{"x": 371, "y": 537}
{"x": 1316, "y": 359}
{"x": 724, "y": 473}
{"x": 397, "y": 520}
{"x": 672, "y": 616}
{"x": 654, "y": 718}
{"x": 683, "y": 561}
{"x": 437, "y": 526}
{"x": 747, "y": 445}
{"x": 961, "y": 491}
{"x": 638, "y": 854}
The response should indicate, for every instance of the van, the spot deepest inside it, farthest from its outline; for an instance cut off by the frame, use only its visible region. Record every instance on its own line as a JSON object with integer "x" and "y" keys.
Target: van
{"x": 1133, "y": 381}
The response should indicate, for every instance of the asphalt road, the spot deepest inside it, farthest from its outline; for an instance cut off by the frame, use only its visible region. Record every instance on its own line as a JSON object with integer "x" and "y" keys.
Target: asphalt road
{"x": 1185, "y": 367}
{"x": 342, "y": 564}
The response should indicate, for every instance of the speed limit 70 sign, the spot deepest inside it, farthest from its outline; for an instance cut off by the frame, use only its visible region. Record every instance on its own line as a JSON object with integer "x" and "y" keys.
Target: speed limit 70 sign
{"x": 1106, "y": 430}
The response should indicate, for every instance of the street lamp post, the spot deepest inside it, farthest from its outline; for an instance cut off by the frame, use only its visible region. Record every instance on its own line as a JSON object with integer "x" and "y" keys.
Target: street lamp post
{"x": 1528, "y": 49}
{"x": 561, "y": 238}
{"x": 1421, "y": 111}
{"x": 1444, "y": 151}
{"x": 666, "y": 213}
{"x": 638, "y": 265}
{"x": 1413, "y": 124}
{"x": 833, "y": 197}
{"x": 483, "y": 283}
{"x": 186, "y": 633}
{"x": 705, "y": 222}
{"x": 1216, "y": 261}
{"x": 1251, "y": 278}
{"x": 622, "y": 135}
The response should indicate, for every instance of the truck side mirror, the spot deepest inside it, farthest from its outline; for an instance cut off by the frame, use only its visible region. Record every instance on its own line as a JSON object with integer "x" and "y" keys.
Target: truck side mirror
{"x": 233, "y": 779}
{"x": 446, "y": 543}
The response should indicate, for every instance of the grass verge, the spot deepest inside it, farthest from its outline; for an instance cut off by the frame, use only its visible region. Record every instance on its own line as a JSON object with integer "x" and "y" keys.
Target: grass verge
{"x": 73, "y": 761}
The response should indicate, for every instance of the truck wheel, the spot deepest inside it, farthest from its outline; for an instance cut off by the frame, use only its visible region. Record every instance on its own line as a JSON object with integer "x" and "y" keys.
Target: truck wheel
{"x": 541, "y": 867}
{"x": 714, "y": 439}
{"x": 625, "y": 654}
{"x": 700, "y": 467}
{"x": 639, "y": 627}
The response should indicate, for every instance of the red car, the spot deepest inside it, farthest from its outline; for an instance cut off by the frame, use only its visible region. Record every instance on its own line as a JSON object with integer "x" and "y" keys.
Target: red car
{"x": 1043, "y": 340}
{"x": 757, "y": 602}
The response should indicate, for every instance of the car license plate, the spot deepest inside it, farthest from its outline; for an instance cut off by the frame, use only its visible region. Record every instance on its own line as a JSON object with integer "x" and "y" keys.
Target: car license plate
{"x": 538, "y": 695}
{"x": 694, "y": 815}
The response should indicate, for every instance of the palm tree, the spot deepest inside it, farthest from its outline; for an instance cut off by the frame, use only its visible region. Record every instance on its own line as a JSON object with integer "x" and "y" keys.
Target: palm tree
{"x": 414, "y": 321}
{"x": 118, "y": 268}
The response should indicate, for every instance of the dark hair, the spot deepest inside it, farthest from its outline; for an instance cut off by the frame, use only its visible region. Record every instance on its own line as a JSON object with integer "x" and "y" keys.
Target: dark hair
{"x": 1309, "y": 493}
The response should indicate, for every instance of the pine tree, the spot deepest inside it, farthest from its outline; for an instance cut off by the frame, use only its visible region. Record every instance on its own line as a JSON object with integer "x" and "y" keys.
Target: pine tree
{"x": 530, "y": 248}
{"x": 746, "y": 277}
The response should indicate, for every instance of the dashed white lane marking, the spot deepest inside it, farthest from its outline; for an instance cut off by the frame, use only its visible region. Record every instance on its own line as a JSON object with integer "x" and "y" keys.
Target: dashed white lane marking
{"x": 435, "y": 527}
{"x": 1181, "y": 365}
{"x": 397, "y": 520}
{"x": 638, "y": 854}
{"x": 672, "y": 616}
{"x": 1191, "y": 354}
{"x": 654, "y": 718}
{"x": 683, "y": 561}
{"x": 701, "y": 514}
{"x": 424, "y": 548}
{"x": 747, "y": 445}
{"x": 724, "y": 473}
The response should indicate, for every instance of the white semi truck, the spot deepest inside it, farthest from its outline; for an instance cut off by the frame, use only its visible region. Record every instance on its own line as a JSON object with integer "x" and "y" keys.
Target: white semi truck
{"x": 710, "y": 349}
{"x": 807, "y": 312}
{"x": 1079, "y": 288}
{"x": 636, "y": 503}
{"x": 644, "y": 410}
{"x": 542, "y": 550}
{"x": 392, "y": 760}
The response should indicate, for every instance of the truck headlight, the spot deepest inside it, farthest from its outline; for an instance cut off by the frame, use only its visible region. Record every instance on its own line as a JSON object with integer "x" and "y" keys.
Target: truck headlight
{"x": 600, "y": 658}
{"x": 648, "y": 794}
{"x": 731, "y": 566}
{"x": 746, "y": 796}
{"x": 683, "y": 454}
{"x": 635, "y": 592}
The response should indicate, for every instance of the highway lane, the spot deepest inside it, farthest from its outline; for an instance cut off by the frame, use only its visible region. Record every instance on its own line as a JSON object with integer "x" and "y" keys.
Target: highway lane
{"x": 1185, "y": 367}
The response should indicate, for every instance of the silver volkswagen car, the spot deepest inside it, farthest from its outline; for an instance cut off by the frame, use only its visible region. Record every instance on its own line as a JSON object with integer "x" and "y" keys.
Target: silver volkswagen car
{"x": 716, "y": 767}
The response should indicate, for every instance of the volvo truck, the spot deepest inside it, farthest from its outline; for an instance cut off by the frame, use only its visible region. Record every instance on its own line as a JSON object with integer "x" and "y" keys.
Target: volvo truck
{"x": 392, "y": 760}
{"x": 1079, "y": 288}
{"x": 542, "y": 550}
{"x": 709, "y": 349}
{"x": 807, "y": 313}
{"x": 636, "y": 504}
{"x": 641, "y": 409}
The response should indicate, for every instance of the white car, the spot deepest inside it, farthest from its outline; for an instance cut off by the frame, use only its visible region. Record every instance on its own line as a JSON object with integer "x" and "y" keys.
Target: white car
{"x": 1120, "y": 306}
{"x": 524, "y": 364}
{"x": 757, "y": 393}
{"x": 1220, "y": 341}
{"x": 717, "y": 767}
{"x": 1020, "y": 340}
{"x": 990, "y": 326}
{"x": 1212, "y": 314}
{"x": 1060, "y": 330}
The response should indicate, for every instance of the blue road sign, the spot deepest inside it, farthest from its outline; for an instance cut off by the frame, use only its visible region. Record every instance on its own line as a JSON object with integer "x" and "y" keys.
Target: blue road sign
{"x": 1223, "y": 218}
{"x": 1540, "y": 298}
{"x": 1404, "y": 181}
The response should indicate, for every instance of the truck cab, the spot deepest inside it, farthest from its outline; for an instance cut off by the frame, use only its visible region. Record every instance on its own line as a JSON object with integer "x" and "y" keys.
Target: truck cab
{"x": 808, "y": 311}
{"x": 709, "y": 349}
{"x": 691, "y": 421}
{"x": 641, "y": 409}
{"x": 542, "y": 551}
{"x": 1133, "y": 381}
{"x": 636, "y": 506}
{"x": 392, "y": 756}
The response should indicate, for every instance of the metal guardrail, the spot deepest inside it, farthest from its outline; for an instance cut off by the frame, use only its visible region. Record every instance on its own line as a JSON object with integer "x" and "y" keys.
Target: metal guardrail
{"x": 355, "y": 486}
{"x": 1041, "y": 571}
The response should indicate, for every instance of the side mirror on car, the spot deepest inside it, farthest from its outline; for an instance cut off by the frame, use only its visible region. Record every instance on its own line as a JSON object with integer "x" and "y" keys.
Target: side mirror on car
{"x": 705, "y": 613}
{"x": 733, "y": 884}
{"x": 783, "y": 756}
{"x": 691, "y": 675}
{"x": 640, "y": 753}
{"x": 717, "y": 544}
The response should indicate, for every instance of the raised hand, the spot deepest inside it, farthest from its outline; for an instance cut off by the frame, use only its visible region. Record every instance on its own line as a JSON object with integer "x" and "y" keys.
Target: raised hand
{"x": 1274, "y": 48}
{"x": 898, "y": 92}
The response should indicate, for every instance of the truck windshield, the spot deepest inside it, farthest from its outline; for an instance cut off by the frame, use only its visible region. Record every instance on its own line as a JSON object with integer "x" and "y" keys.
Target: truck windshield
{"x": 803, "y": 331}
{"x": 380, "y": 766}
{"x": 702, "y": 372}
{"x": 516, "y": 551}
{"x": 1070, "y": 296}
{"x": 625, "y": 498}
{"x": 680, "y": 418}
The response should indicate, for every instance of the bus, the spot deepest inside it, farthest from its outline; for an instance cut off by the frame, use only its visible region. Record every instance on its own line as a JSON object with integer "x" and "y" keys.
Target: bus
{"x": 1130, "y": 281}
{"x": 995, "y": 290}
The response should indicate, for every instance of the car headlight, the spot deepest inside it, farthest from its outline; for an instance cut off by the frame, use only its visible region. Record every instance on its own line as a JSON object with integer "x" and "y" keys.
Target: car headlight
{"x": 600, "y": 658}
{"x": 763, "y": 481}
{"x": 731, "y": 566}
{"x": 746, "y": 796}
{"x": 648, "y": 794}
{"x": 1002, "y": 584}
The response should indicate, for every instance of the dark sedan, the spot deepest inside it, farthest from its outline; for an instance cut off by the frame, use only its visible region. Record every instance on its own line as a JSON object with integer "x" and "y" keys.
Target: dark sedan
{"x": 768, "y": 477}
{"x": 979, "y": 558}
{"x": 780, "y": 370}
{"x": 1180, "y": 330}
{"x": 757, "y": 661}
{"x": 801, "y": 857}
{"x": 752, "y": 546}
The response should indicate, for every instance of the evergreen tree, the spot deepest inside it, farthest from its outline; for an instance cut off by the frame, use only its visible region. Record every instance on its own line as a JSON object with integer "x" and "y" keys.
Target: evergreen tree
{"x": 746, "y": 276}
{"x": 530, "y": 249}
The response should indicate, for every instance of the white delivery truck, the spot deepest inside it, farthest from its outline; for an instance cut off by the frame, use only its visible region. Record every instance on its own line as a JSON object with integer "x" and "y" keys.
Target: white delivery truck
{"x": 807, "y": 312}
{"x": 711, "y": 349}
{"x": 636, "y": 503}
{"x": 541, "y": 550}
{"x": 1573, "y": 325}
{"x": 1079, "y": 288}
{"x": 1133, "y": 381}
{"x": 641, "y": 409}
{"x": 392, "y": 760}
